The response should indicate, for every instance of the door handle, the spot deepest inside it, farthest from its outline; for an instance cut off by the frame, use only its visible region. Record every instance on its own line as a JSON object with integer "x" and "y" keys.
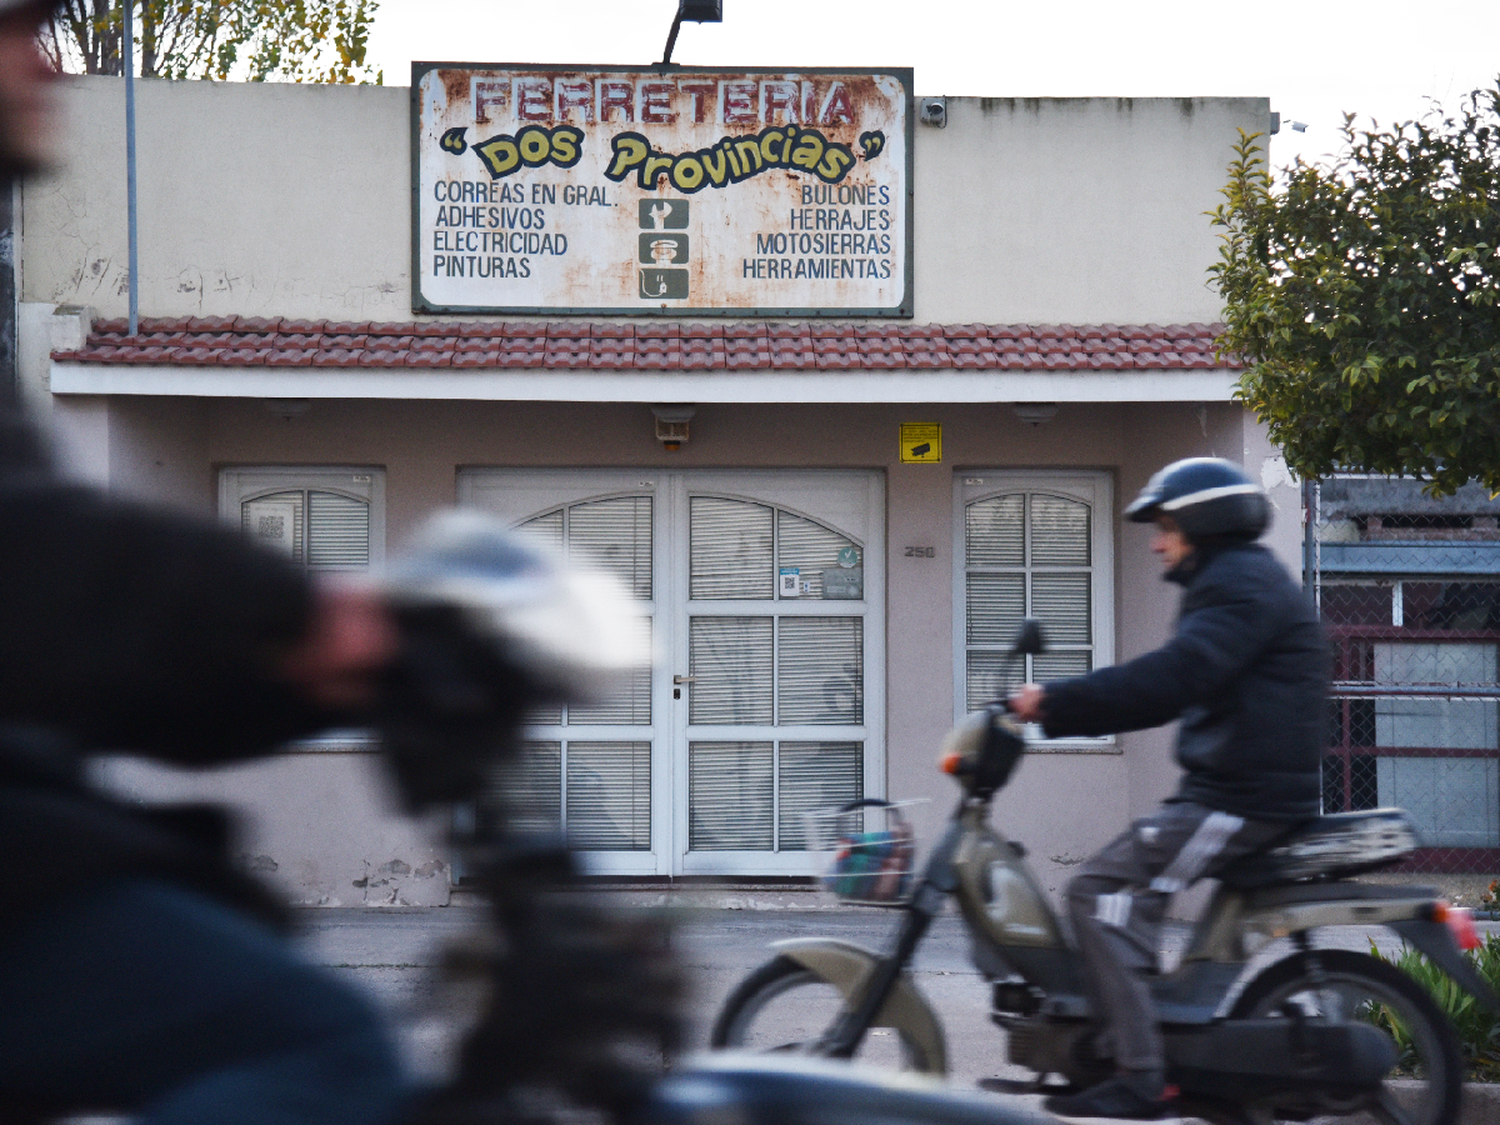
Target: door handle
{"x": 684, "y": 679}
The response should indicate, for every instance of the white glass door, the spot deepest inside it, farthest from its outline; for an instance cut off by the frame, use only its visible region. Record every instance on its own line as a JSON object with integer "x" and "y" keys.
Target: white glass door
{"x": 763, "y": 607}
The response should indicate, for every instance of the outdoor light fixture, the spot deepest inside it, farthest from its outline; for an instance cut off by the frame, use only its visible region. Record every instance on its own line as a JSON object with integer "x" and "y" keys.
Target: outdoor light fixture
{"x": 672, "y": 425}
{"x": 288, "y": 408}
{"x": 1035, "y": 413}
{"x": 693, "y": 11}
{"x": 934, "y": 112}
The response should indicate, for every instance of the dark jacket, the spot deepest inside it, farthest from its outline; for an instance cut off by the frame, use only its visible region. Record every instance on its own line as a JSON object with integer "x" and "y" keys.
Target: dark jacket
{"x": 128, "y": 629}
{"x": 1247, "y": 673}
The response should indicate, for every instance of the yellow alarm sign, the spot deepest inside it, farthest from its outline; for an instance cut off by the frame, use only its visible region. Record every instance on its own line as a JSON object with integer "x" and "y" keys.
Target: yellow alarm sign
{"x": 922, "y": 442}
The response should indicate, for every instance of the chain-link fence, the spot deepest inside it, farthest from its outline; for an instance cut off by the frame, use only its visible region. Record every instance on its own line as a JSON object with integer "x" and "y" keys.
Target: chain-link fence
{"x": 1409, "y": 589}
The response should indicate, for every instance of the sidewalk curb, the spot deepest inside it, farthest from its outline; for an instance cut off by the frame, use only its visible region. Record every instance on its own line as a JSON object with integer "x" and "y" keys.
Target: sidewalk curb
{"x": 1481, "y": 1104}
{"x": 700, "y": 897}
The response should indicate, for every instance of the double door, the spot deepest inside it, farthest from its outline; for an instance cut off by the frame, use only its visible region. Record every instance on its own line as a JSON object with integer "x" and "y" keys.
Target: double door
{"x": 761, "y": 594}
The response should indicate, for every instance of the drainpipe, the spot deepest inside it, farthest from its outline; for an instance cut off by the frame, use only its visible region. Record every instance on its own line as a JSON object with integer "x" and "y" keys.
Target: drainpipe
{"x": 1307, "y": 537}
{"x": 10, "y": 382}
{"x": 129, "y": 46}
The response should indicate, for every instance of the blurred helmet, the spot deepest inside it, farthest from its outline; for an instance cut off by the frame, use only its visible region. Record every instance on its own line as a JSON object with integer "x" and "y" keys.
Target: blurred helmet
{"x": 1206, "y": 497}
{"x": 43, "y": 8}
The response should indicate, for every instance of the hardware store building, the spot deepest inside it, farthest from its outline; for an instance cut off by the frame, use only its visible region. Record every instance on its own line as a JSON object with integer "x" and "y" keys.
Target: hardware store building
{"x": 833, "y": 479}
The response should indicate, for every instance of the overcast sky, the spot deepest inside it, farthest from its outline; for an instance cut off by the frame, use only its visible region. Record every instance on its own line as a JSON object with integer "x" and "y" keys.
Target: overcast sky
{"x": 1314, "y": 59}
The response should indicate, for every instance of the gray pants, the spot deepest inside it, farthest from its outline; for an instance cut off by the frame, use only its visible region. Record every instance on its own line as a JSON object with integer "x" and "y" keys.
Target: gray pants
{"x": 1118, "y": 901}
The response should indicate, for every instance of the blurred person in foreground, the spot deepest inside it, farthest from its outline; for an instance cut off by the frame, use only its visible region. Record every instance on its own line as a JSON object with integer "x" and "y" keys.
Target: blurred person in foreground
{"x": 1246, "y": 671}
{"x": 139, "y": 971}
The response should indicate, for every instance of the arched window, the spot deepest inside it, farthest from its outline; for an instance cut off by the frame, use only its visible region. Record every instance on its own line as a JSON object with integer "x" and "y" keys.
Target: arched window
{"x": 1031, "y": 547}
{"x": 325, "y": 519}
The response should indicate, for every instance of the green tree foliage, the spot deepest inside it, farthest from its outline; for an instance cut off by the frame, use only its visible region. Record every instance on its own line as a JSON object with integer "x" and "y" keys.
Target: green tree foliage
{"x": 1362, "y": 298}
{"x": 290, "y": 40}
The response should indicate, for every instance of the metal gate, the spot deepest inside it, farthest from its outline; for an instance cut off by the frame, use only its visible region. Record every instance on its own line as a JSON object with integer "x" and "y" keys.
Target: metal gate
{"x": 1408, "y": 587}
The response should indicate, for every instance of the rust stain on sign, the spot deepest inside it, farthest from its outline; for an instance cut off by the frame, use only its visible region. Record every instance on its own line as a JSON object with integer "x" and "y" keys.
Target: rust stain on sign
{"x": 647, "y": 191}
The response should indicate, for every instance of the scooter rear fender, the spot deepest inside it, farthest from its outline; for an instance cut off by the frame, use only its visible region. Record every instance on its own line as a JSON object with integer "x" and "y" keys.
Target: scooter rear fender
{"x": 846, "y": 965}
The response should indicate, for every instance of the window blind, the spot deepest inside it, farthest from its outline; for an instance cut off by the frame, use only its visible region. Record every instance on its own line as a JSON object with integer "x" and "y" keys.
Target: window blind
{"x": 729, "y": 796}
{"x": 546, "y": 531}
{"x": 729, "y": 550}
{"x": 814, "y": 776}
{"x": 338, "y": 532}
{"x": 996, "y": 606}
{"x": 809, "y": 547}
{"x": 820, "y": 670}
{"x": 729, "y": 659}
{"x": 1027, "y": 554}
{"x": 614, "y": 535}
{"x": 626, "y": 702}
{"x": 528, "y": 790}
{"x": 609, "y": 796}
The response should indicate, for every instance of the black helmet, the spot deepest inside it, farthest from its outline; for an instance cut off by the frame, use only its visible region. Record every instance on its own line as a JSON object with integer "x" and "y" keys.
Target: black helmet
{"x": 1206, "y": 497}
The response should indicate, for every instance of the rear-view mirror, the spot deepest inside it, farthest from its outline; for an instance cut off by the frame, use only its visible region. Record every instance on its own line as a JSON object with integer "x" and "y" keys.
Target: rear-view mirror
{"x": 1030, "y": 639}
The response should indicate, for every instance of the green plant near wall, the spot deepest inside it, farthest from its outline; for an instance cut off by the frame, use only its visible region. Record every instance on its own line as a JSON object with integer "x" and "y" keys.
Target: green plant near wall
{"x": 1478, "y": 1028}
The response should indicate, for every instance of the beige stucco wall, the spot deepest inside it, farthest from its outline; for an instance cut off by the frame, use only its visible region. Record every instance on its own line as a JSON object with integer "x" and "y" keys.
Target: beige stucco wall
{"x": 1074, "y": 210}
{"x": 288, "y": 200}
{"x": 293, "y": 201}
{"x": 1062, "y": 805}
{"x": 255, "y": 200}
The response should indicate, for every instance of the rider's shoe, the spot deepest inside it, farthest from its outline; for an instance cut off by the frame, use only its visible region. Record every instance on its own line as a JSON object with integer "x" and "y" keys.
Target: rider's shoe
{"x": 1128, "y": 1096}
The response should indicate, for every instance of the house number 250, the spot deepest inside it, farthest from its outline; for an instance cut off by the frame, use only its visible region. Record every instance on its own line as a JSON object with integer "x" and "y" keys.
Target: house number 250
{"x": 921, "y": 552}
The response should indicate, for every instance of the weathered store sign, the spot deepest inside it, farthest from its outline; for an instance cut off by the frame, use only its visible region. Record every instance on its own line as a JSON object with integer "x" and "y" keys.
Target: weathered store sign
{"x": 674, "y": 190}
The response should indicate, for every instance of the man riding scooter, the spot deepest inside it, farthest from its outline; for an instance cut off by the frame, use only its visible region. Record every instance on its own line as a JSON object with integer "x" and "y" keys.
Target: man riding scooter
{"x": 1246, "y": 672}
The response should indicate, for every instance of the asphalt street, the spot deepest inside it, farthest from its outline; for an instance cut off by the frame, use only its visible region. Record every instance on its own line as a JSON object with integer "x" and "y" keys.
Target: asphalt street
{"x": 395, "y": 954}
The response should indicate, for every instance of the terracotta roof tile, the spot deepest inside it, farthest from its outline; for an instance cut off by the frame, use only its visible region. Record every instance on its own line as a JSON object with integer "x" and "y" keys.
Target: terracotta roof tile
{"x": 654, "y": 345}
{"x": 657, "y": 331}
{"x": 210, "y": 323}
{"x": 256, "y": 323}
{"x": 437, "y": 328}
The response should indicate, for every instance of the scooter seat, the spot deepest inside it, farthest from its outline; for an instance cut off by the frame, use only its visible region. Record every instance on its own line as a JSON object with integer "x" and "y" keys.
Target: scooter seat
{"x": 1330, "y": 847}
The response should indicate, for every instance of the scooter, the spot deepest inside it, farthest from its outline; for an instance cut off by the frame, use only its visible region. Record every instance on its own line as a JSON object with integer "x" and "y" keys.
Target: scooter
{"x": 1317, "y": 1033}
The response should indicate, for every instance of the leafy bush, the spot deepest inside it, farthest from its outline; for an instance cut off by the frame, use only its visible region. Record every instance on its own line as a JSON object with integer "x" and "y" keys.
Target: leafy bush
{"x": 1478, "y": 1028}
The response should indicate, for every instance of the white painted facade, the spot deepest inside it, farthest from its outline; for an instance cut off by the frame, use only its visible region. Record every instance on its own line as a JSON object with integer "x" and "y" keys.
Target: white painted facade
{"x": 292, "y": 201}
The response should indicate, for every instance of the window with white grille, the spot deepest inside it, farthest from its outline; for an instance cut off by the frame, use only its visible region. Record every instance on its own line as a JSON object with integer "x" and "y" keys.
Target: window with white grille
{"x": 1030, "y": 545}
{"x": 327, "y": 519}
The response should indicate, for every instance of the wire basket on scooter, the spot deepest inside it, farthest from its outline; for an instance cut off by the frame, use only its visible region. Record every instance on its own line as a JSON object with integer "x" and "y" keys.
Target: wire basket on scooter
{"x": 870, "y": 850}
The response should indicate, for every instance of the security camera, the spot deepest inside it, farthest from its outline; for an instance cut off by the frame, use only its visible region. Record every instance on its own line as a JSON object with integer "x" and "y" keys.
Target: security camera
{"x": 934, "y": 112}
